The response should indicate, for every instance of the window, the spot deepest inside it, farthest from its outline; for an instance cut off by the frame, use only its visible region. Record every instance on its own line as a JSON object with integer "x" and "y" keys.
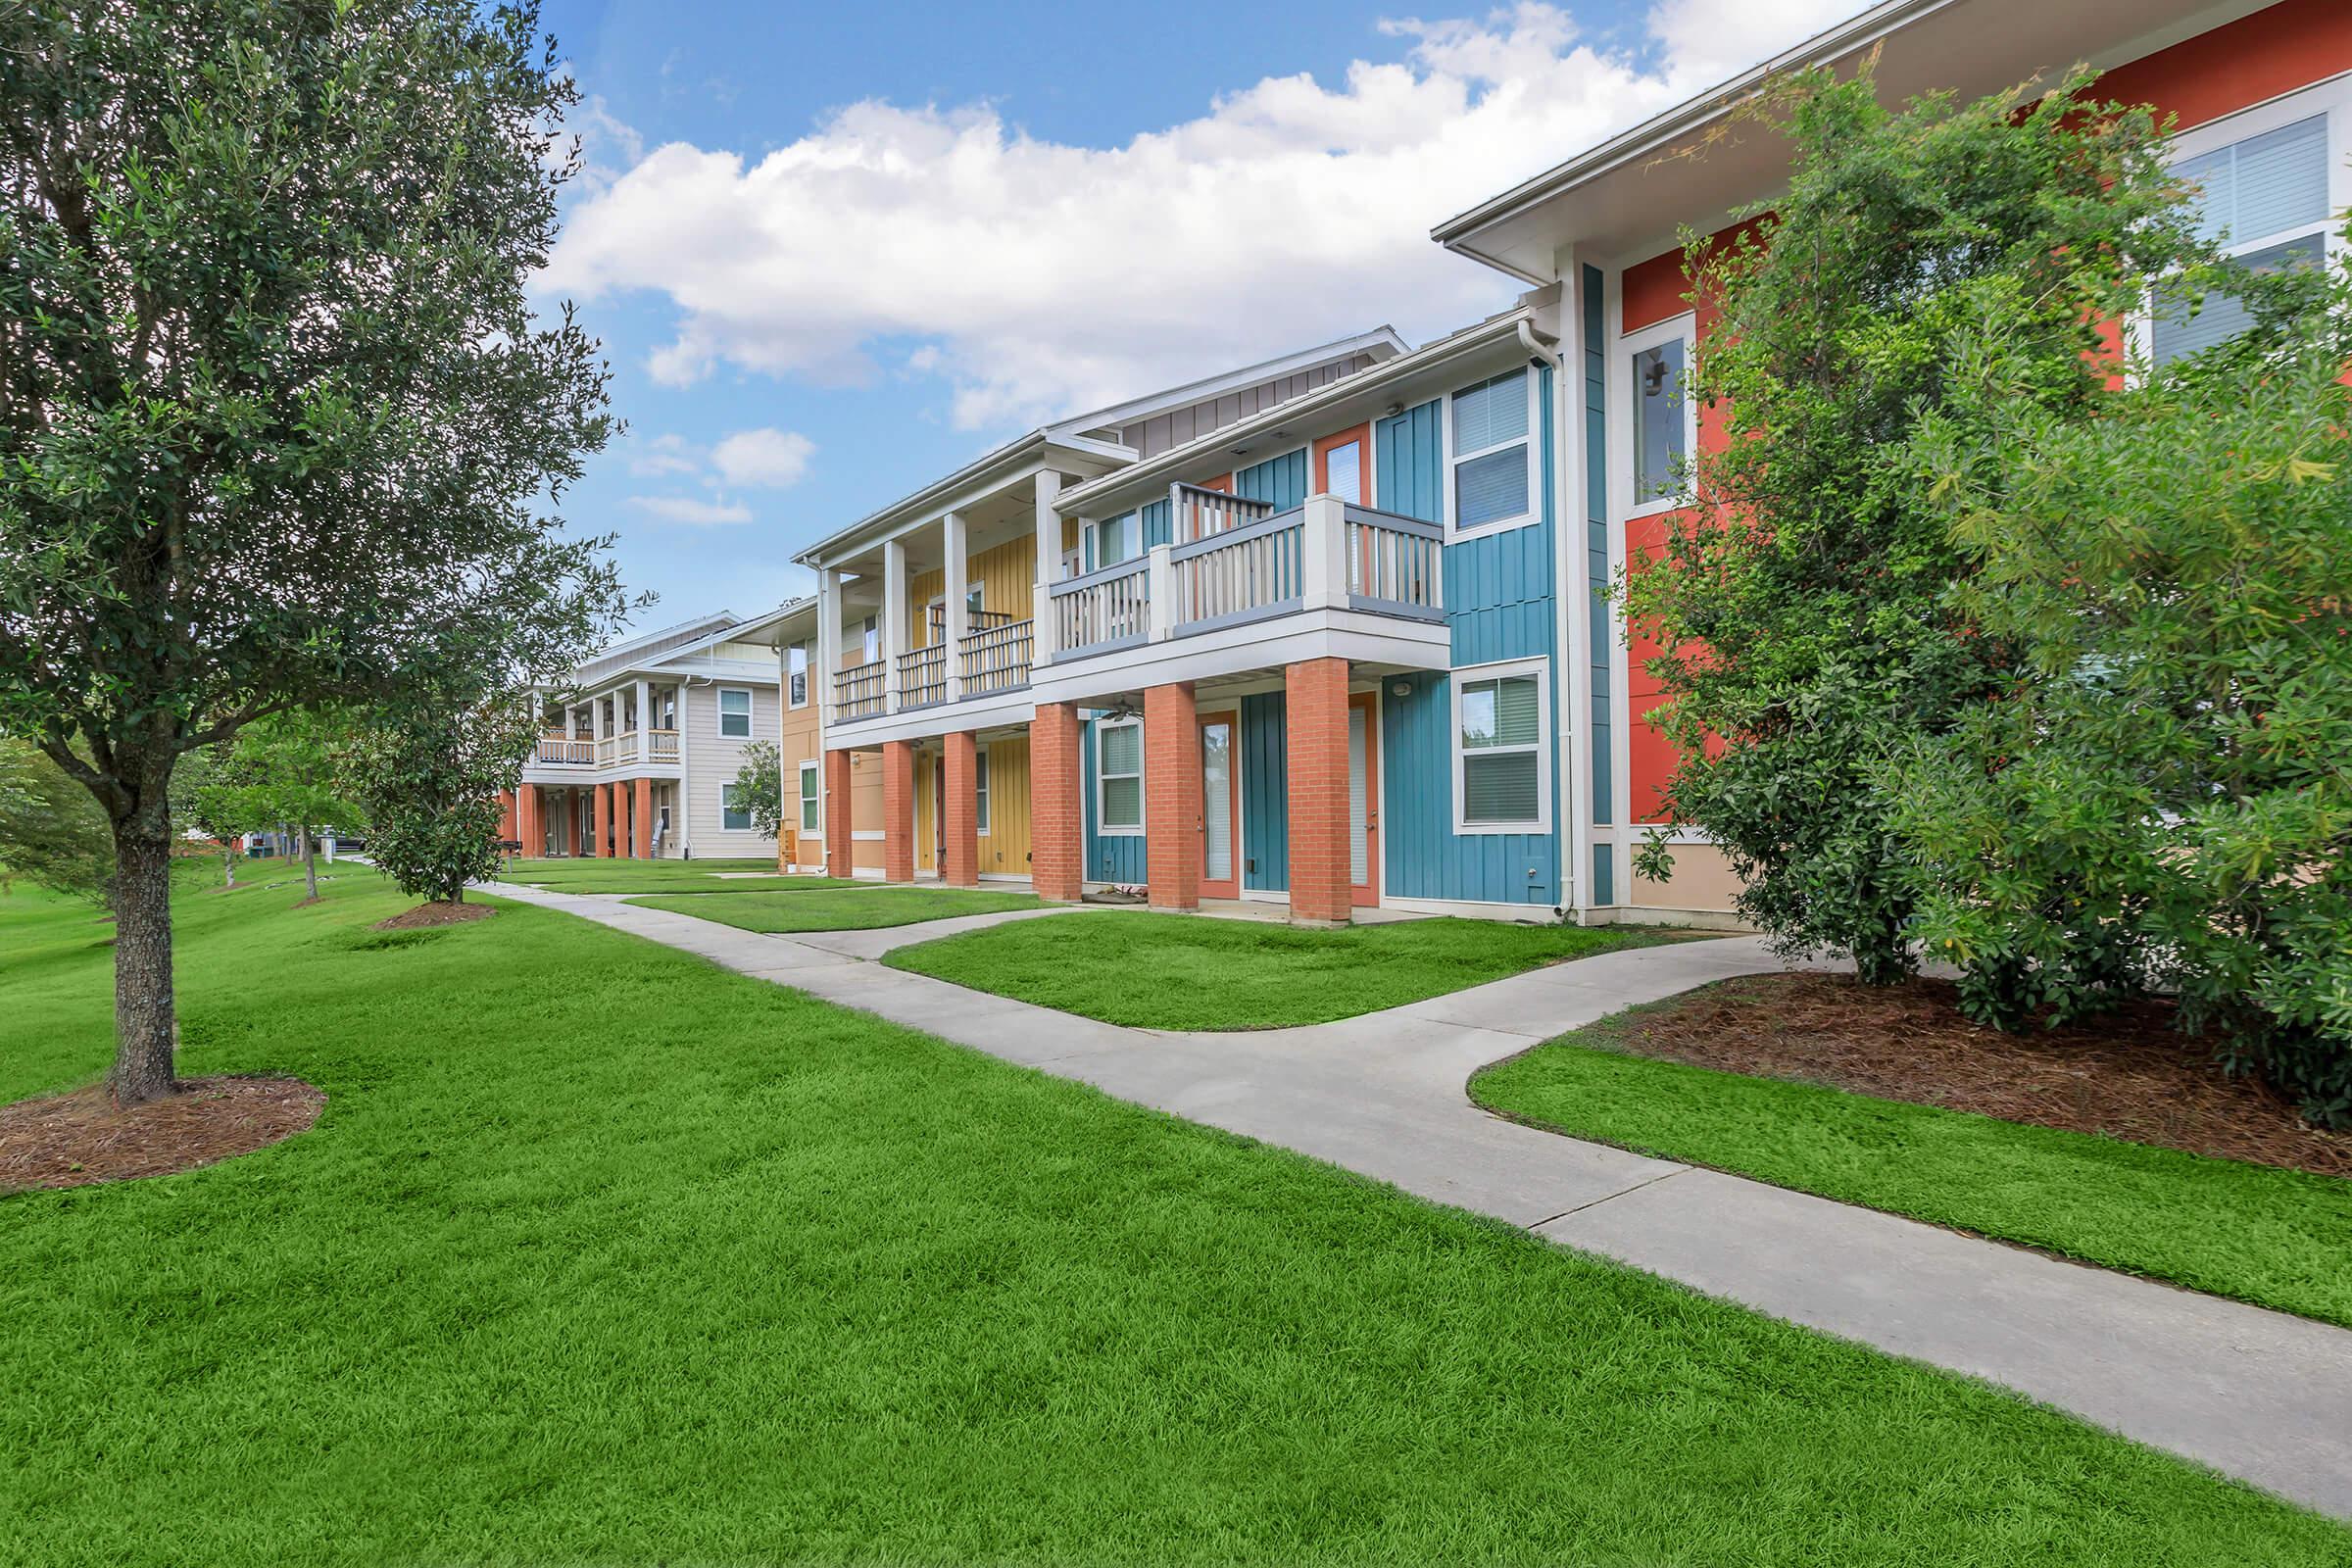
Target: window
{"x": 810, "y": 798}
{"x": 975, "y": 605}
{"x": 1120, "y": 539}
{"x": 1344, "y": 472}
{"x": 796, "y": 662}
{"x": 2264, "y": 200}
{"x": 733, "y": 815}
{"x": 735, "y": 713}
{"x": 1119, "y": 776}
{"x": 980, "y": 790}
{"x": 1661, "y": 422}
{"x": 871, "y": 644}
{"x": 1493, "y": 466}
{"x": 1502, "y": 762}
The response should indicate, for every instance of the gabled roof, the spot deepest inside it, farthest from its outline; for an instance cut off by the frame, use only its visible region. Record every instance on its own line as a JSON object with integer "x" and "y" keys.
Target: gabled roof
{"x": 1382, "y": 343}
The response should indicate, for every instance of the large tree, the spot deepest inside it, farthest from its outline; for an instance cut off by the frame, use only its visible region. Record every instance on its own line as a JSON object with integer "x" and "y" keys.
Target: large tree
{"x": 278, "y": 424}
{"x": 1802, "y": 608}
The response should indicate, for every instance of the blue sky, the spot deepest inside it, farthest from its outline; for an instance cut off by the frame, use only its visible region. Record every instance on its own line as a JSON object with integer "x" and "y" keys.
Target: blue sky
{"x": 835, "y": 252}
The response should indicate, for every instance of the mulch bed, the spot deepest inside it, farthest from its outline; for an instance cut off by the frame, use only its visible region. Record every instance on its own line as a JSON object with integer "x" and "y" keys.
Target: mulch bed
{"x": 2129, "y": 1075}
{"x": 439, "y": 911}
{"x": 76, "y": 1139}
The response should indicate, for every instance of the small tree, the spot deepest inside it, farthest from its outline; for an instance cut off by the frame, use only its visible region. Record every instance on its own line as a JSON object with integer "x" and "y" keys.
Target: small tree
{"x": 278, "y": 421}
{"x": 760, "y": 787}
{"x": 2164, "y": 798}
{"x": 428, "y": 773}
{"x": 51, "y": 832}
{"x": 1802, "y": 608}
{"x": 289, "y": 767}
{"x": 206, "y": 801}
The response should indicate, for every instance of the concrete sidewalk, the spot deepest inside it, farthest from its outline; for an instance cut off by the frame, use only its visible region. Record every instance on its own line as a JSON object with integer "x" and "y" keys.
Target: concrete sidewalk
{"x": 2258, "y": 1395}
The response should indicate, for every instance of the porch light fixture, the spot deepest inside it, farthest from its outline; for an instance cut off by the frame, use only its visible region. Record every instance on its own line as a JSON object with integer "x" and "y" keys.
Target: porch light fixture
{"x": 1401, "y": 688}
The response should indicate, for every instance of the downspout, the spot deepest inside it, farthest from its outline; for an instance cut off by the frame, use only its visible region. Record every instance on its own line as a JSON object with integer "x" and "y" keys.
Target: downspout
{"x": 1567, "y": 549}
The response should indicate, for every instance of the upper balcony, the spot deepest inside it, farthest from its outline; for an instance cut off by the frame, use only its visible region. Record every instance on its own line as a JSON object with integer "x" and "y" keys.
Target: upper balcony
{"x": 588, "y": 753}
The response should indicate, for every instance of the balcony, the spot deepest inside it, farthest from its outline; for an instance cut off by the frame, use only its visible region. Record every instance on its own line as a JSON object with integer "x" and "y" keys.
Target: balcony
{"x": 564, "y": 750}
{"x": 1325, "y": 554}
{"x": 612, "y": 751}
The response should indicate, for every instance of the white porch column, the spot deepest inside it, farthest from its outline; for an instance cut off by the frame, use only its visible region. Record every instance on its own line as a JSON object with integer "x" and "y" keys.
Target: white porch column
{"x": 894, "y": 620}
{"x": 958, "y": 538}
{"x": 828, "y": 643}
{"x": 1323, "y": 564}
{"x": 1160, "y": 587}
{"x": 645, "y": 719}
{"x": 1049, "y": 570}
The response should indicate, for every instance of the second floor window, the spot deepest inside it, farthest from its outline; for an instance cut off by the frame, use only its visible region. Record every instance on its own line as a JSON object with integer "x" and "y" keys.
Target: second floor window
{"x": 1490, "y": 479}
{"x": 796, "y": 661}
{"x": 2265, "y": 199}
{"x": 871, "y": 646}
{"x": 735, "y": 714}
{"x": 1120, "y": 539}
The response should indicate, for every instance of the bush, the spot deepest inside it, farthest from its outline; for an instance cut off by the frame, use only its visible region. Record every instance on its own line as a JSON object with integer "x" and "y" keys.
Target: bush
{"x": 429, "y": 774}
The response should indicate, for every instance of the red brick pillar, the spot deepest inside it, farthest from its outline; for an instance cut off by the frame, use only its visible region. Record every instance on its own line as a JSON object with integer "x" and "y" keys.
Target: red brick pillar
{"x": 1315, "y": 724}
{"x": 506, "y": 814}
{"x": 839, "y": 857}
{"x": 1172, "y": 797}
{"x": 898, "y": 810}
{"x": 643, "y": 810}
{"x": 528, "y": 827}
{"x": 959, "y": 813}
{"x": 1057, "y": 810}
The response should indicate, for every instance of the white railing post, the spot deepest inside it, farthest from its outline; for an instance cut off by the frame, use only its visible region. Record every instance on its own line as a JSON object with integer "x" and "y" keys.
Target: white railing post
{"x": 1323, "y": 554}
{"x": 958, "y": 616}
{"x": 1160, "y": 591}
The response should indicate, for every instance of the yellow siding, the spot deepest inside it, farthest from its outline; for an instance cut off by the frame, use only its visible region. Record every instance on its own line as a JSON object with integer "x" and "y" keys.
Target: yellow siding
{"x": 1005, "y": 847}
{"x": 1006, "y": 574}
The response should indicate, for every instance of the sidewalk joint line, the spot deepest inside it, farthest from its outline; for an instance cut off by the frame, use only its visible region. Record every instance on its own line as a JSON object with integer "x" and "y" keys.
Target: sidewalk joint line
{"x": 1607, "y": 1197}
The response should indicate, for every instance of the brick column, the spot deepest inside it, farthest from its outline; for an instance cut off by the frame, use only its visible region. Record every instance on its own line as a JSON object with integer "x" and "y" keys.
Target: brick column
{"x": 505, "y": 816}
{"x": 839, "y": 861}
{"x": 644, "y": 813}
{"x": 959, "y": 813}
{"x": 898, "y": 810}
{"x": 1315, "y": 724}
{"x": 1172, "y": 797}
{"x": 530, "y": 821}
{"x": 1057, "y": 810}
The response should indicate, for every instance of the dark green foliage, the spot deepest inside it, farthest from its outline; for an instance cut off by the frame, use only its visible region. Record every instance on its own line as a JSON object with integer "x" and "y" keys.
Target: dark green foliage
{"x": 427, "y": 773}
{"x": 2163, "y": 799}
{"x": 759, "y": 786}
{"x": 51, "y": 832}
{"x": 1802, "y": 608}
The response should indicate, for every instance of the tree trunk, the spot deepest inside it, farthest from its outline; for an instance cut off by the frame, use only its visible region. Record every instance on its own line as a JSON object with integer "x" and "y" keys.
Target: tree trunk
{"x": 143, "y": 1013}
{"x": 229, "y": 865}
{"x": 310, "y": 860}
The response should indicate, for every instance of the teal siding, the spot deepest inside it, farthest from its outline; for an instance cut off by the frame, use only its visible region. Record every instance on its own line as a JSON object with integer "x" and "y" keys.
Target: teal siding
{"x": 1597, "y": 561}
{"x": 1407, "y": 457}
{"x": 1265, "y": 793}
{"x": 1421, "y": 855}
{"x": 1280, "y": 480}
{"x": 1112, "y": 858}
{"x": 1156, "y": 528}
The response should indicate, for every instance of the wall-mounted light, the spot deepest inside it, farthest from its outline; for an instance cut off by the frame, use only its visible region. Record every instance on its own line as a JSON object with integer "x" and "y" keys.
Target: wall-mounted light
{"x": 1401, "y": 688}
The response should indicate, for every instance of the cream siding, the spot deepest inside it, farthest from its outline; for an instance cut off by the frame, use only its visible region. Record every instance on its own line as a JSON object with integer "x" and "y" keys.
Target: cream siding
{"x": 712, "y": 763}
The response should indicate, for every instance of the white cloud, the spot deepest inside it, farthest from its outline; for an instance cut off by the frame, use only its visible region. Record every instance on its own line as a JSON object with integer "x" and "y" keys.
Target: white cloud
{"x": 1041, "y": 278}
{"x": 695, "y": 514}
{"x": 764, "y": 457}
{"x": 663, "y": 455}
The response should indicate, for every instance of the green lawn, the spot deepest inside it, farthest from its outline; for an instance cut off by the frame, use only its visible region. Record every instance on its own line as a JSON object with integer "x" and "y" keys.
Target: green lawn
{"x": 601, "y": 1255}
{"x": 585, "y": 876}
{"x": 2279, "y": 1237}
{"x": 858, "y": 909}
{"x": 1208, "y": 973}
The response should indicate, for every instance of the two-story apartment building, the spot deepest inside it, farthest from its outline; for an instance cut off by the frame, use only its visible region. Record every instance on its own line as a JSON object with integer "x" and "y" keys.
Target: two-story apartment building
{"x": 1335, "y": 630}
{"x": 640, "y": 748}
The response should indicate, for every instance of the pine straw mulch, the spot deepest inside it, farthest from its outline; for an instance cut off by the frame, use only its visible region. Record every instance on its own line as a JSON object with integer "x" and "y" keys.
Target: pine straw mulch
{"x": 73, "y": 1140}
{"x": 2129, "y": 1075}
{"x": 440, "y": 911}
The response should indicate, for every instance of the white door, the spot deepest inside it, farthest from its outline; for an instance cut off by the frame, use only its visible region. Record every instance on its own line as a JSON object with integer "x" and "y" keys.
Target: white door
{"x": 1216, "y": 801}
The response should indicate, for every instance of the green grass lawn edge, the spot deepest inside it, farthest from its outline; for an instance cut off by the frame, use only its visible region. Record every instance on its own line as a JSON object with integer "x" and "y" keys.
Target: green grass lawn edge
{"x": 1208, "y": 973}
{"x": 2274, "y": 1238}
{"x": 862, "y": 907}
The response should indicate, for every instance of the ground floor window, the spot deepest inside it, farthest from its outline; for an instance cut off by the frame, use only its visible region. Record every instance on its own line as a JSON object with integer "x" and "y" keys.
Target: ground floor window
{"x": 1500, "y": 750}
{"x": 808, "y": 797}
{"x": 733, "y": 815}
{"x": 1120, "y": 776}
{"x": 980, "y": 790}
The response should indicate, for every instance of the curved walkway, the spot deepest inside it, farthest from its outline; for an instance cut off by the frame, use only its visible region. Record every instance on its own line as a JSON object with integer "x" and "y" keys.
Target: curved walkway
{"x": 2258, "y": 1395}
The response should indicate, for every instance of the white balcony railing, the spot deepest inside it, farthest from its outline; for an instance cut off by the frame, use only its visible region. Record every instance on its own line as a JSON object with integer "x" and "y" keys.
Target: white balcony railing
{"x": 858, "y": 689}
{"x": 923, "y": 676}
{"x": 996, "y": 659}
{"x": 1196, "y": 511}
{"x": 1244, "y": 573}
{"x": 661, "y": 745}
{"x": 565, "y": 750}
{"x": 1100, "y": 610}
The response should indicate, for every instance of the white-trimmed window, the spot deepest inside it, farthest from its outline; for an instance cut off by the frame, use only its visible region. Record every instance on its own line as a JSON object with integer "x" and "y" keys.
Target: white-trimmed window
{"x": 1344, "y": 471}
{"x": 980, "y": 790}
{"x": 734, "y": 714}
{"x": 1491, "y": 478}
{"x": 1119, "y": 776}
{"x": 812, "y": 798}
{"x": 1661, "y": 420}
{"x": 795, "y": 674}
{"x": 1114, "y": 541}
{"x": 733, "y": 815}
{"x": 870, "y": 642}
{"x": 2271, "y": 182}
{"x": 1502, "y": 749}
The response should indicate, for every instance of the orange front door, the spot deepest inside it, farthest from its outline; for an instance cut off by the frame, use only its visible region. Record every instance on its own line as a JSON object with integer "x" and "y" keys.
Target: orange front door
{"x": 1363, "y": 799}
{"x": 1220, "y": 807}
